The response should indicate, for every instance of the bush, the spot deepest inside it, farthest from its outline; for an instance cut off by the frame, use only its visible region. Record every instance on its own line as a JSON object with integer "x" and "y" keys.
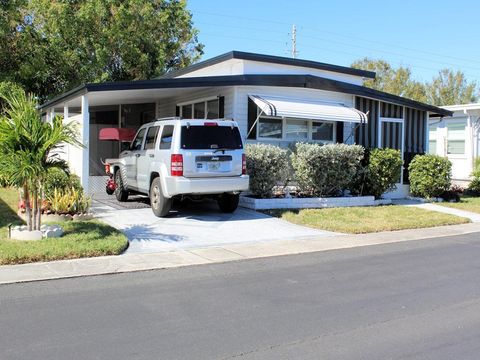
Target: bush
{"x": 474, "y": 186}
{"x": 60, "y": 180}
{"x": 267, "y": 165}
{"x": 326, "y": 170}
{"x": 430, "y": 175}
{"x": 380, "y": 172}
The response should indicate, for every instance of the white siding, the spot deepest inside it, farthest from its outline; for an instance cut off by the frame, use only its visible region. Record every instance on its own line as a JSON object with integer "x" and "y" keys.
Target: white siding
{"x": 243, "y": 67}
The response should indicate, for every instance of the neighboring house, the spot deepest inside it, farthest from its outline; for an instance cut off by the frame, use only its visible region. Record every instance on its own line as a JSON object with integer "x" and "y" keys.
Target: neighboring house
{"x": 457, "y": 137}
{"x": 274, "y": 99}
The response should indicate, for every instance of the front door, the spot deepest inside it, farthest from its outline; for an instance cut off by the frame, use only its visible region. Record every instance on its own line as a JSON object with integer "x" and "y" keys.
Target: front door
{"x": 391, "y": 135}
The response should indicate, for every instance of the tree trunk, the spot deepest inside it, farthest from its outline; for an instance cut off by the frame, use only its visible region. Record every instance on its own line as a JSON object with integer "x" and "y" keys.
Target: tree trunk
{"x": 28, "y": 209}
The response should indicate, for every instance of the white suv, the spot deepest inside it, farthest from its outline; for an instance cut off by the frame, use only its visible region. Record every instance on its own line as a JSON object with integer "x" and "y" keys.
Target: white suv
{"x": 179, "y": 158}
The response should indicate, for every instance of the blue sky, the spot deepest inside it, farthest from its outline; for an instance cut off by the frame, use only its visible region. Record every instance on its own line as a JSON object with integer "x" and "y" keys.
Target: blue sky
{"x": 424, "y": 35}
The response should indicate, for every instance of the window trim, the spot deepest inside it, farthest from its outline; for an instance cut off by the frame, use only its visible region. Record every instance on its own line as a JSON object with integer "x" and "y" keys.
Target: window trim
{"x": 447, "y": 140}
{"x": 309, "y": 130}
{"x": 192, "y": 103}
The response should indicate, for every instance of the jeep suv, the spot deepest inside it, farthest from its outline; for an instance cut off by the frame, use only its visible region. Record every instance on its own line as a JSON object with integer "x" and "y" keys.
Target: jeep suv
{"x": 179, "y": 158}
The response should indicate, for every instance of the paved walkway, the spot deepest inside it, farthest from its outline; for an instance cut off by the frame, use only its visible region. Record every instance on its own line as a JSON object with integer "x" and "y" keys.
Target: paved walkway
{"x": 474, "y": 217}
{"x": 229, "y": 252}
{"x": 201, "y": 225}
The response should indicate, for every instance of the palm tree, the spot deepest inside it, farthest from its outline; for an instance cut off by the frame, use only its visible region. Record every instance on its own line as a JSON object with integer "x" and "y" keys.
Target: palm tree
{"x": 29, "y": 147}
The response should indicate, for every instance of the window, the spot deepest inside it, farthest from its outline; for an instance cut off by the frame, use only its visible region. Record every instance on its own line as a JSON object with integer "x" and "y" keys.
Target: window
{"x": 270, "y": 128}
{"x": 209, "y": 109}
{"x": 199, "y": 110}
{"x": 211, "y": 137}
{"x": 166, "y": 139}
{"x": 432, "y": 139}
{"x": 138, "y": 141}
{"x": 187, "y": 111}
{"x": 151, "y": 138}
{"x": 296, "y": 130}
{"x": 322, "y": 131}
{"x": 456, "y": 138}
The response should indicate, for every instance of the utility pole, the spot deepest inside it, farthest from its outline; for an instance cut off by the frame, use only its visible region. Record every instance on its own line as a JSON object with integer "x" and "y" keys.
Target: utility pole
{"x": 294, "y": 41}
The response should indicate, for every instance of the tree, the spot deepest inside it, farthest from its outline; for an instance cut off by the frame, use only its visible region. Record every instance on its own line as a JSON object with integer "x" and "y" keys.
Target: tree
{"x": 29, "y": 147}
{"x": 450, "y": 88}
{"x": 393, "y": 81}
{"x": 50, "y": 46}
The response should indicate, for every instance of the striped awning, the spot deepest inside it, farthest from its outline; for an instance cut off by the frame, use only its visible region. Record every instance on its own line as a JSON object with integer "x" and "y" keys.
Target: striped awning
{"x": 307, "y": 109}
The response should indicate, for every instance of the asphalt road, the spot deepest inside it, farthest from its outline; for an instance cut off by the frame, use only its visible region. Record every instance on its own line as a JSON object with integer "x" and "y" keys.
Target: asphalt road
{"x": 411, "y": 300}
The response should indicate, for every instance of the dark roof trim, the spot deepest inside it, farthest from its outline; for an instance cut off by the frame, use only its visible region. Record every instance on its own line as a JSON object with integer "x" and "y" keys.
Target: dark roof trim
{"x": 301, "y": 81}
{"x": 269, "y": 59}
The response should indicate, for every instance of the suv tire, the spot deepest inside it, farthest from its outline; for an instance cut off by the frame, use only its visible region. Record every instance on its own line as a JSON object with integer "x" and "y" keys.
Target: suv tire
{"x": 228, "y": 203}
{"x": 120, "y": 192}
{"x": 160, "y": 204}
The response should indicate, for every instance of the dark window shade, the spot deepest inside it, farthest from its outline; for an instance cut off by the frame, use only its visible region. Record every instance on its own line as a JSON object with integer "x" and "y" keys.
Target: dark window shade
{"x": 339, "y": 132}
{"x": 177, "y": 111}
{"x": 252, "y": 116}
{"x": 221, "y": 107}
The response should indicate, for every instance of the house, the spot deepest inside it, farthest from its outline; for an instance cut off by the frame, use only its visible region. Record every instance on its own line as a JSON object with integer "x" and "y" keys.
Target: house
{"x": 274, "y": 99}
{"x": 457, "y": 138}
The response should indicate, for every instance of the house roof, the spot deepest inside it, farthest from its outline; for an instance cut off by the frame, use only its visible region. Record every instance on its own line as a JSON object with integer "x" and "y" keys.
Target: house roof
{"x": 269, "y": 59}
{"x": 302, "y": 81}
{"x": 460, "y": 107}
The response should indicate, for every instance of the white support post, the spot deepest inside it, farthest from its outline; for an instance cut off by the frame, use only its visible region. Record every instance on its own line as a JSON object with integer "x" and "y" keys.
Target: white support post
{"x": 66, "y": 146}
{"x": 85, "y": 137}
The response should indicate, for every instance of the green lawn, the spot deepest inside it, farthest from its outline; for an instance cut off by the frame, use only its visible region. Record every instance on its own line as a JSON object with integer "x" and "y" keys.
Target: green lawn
{"x": 81, "y": 239}
{"x": 359, "y": 220}
{"x": 466, "y": 203}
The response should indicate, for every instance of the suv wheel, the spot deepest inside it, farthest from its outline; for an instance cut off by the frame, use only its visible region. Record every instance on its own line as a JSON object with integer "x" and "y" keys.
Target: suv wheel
{"x": 120, "y": 192}
{"x": 159, "y": 203}
{"x": 228, "y": 203}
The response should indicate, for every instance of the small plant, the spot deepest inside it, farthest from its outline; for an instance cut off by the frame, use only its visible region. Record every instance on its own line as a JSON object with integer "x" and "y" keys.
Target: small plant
{"x": 267, "y": 165}
{"x": 60, "y": 180}
{"x": 71, "y": 201}
{"x": 326, "y": 170}
{"x": 379, "y": 173}
{"x": 474, "y": 186}
{"x": 430, "y": 175}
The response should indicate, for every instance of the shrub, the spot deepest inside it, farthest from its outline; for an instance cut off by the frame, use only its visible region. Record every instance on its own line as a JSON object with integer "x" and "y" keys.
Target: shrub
{"x": 69, "y": 201}
{"x": 60, "y": 180}
{"x": 267, "y": 165}
{"x": 326, "y": 170}
{"x": 474, "y": 186}
{"x": 430, "y": 175}
{"x": 379, "y": 173}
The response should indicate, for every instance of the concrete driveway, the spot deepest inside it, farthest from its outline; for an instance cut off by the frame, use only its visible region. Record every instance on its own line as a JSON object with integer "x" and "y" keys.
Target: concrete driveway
{"x": 196, "y": 226}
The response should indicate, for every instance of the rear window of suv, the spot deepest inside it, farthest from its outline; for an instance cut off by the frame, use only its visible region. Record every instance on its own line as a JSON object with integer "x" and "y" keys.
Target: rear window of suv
{"x": 211, "y": 137}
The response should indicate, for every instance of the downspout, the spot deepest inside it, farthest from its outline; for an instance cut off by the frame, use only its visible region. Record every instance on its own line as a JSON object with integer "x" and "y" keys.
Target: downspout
{"x": 471, "y": 136}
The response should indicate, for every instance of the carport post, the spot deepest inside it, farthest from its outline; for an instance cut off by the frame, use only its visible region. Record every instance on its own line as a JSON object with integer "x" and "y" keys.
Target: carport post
{"x": 85, "y": 138}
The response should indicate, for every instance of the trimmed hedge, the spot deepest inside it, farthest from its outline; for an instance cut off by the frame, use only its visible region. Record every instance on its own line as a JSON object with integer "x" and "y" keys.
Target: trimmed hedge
{"x": 474, "y": 186}
{"x": 326, "y": 170}
{"x": 267, "y": 165}
{"x": 430, "y": 175}
{"x": 380, "y": 172}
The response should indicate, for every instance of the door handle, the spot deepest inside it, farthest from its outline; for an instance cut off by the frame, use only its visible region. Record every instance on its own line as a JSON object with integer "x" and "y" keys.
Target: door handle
{"x": 137, "y": 155}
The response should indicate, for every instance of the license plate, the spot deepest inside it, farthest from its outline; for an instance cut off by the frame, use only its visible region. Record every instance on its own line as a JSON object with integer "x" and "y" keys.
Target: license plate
{"x": 213, "y": 166}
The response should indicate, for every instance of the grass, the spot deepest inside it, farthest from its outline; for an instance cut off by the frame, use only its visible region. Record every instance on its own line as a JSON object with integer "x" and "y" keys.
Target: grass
{"x": 81, "y": 239}
{"x": 467, "y": 203}
{"x": 359, "y": 220}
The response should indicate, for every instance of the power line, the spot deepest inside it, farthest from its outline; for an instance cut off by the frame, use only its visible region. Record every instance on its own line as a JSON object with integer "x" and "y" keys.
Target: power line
{"x": 337, "y": 34}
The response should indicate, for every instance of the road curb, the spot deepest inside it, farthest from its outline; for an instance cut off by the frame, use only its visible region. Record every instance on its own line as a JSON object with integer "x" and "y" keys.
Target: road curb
{"x": 107, "y": 265}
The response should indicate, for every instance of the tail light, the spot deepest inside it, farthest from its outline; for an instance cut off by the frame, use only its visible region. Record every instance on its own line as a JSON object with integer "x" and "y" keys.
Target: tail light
{"x": 107, "y": 168}
{"x": 176, "y": 165}
{"x": 244, "y": 164}
{"x": 210, "y": 124}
